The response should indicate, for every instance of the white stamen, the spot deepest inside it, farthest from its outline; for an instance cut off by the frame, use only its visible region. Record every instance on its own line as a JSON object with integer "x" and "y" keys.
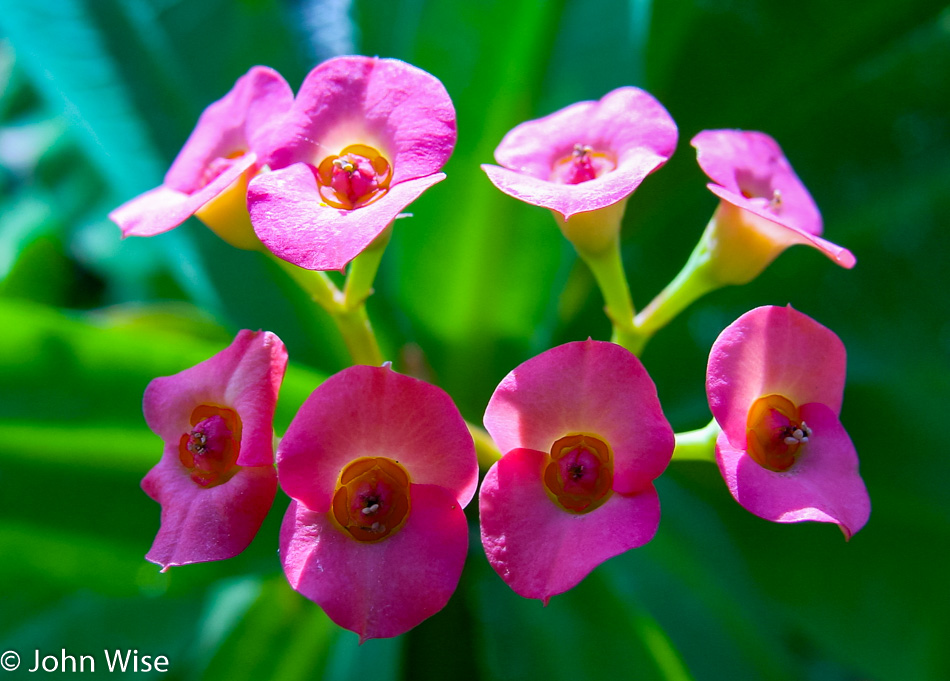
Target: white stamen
{"x": 798, "y": 434}
{"x": 791, "y": 441}
{"x": 344, "y": 165}
{"x": 371, "y": 509}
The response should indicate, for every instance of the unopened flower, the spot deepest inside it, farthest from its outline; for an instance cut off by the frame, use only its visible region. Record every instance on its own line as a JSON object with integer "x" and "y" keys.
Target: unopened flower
{"x": 587, "y": 157}
{"x": 775, "y": 383}
{"x": 584, "y": 437}
{"x": 764, "y": 208}
{"x": 364, "y": 138}
{"x": 379, "y": 467}
{"x": 216, "y": 479}
{"x": 210, "y": 174}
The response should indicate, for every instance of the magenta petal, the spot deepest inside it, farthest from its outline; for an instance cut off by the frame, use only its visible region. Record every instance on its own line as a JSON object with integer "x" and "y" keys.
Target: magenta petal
{"x": 373, "y": 411}
{"x": 201, "y": 524}
{"x": 541, "y": 550}
{"x": 751, "y": 167}
{"x": 385, "y": 103}
{"x": 585, "y": 387}
{"x": 237, "y": 123}
{"x": 781, "y": 232}
{"x": 244, "y": 377}
{"x": 385, "y": 588}
{"x": 773, "y": 350}
{"x": 163, "y": 208}
{"x": 571, "y": 199}
{"x": 289, "y": 216}
{"x": 823, "y": 485}
{"x": 627, "y": 124}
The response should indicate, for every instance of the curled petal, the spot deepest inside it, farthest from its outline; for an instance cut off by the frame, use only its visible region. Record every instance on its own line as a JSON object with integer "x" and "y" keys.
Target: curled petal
{"x": 201, "y": 524}
{"x": 627, "y": 125}
{"x": 380, "y": 589}
{"x": 383, "y": 103}
{"x": 773, "y": 350}
{"x": 541, "y": 550}
{"x": 291, "y": 219}
{"x": 585, "y": 387}
{"x": 368, "y": 411}
{"x": 824, "y": 485}
{"x": 244, "y": 377}
{"x": 163, "y": 208}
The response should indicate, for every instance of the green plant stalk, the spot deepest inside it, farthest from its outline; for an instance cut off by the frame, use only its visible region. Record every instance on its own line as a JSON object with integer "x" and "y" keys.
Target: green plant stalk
{"x": 607, "y": 268}
{"x": 695, "y": 280}
{"x": 697, "y": 445}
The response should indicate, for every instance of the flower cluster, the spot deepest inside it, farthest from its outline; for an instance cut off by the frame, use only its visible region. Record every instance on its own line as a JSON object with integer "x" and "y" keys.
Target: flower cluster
{"x": 313, "y": 178}
{"x": 379, "y": 466}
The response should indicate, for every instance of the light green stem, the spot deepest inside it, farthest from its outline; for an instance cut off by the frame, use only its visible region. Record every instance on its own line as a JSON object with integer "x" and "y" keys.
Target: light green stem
{"x": 607, "y": 267}
{"x": 697, "y": 445}
{"x": 362, "y": 272}
{"x": 693, "y": 281}
{"x": 347, "y": 308}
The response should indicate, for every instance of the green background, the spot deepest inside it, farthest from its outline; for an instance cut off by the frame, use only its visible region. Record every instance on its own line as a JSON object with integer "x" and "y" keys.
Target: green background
{"x": 96, "y": 98}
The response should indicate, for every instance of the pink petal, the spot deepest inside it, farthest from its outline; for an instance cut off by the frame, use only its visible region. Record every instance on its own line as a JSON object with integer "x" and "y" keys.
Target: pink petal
{"x": 752, "y": 162}
{"x": 585, "y": 387}
{"x": 201, "y": 524}
{"x": 385, "y": 588}
{"x": 161, "y": 209}
{"x": 539, "y": 549}
{"x": 748, "y": 170}
{"x": 237, "y": 123}
{"x": 823, "y": 485}
{"x": 570, "y": 199}
{"x": 773, "y": 350}
{"x": 374, "y": 411}
{"x": 627, "y": 123}
{"x": 397, "y": 108}
{"x": 289, "y": 216}
{"x": 780, "y": 231}
{"x": 245, "y": 377}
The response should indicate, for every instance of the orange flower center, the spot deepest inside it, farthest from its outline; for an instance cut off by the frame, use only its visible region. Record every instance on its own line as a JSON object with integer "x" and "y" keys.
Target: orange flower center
{"x": 581, "y": 165}
{"x": 356, "y": 177}
{"x": 210, "y": 450}
{"x": 371, "y": 500}
{"x": 579, "y": 473}
{"x": 775, "y": 432}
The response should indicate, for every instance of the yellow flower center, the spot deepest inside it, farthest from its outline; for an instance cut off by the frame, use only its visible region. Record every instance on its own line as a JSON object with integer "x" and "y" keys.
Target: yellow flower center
{"x": 775, "y": 432}
{"x": 210, "y": 450}
{"x": 356, "y": 177}
{"x": 579, "y": 473}
{"x": 371, "y": 500}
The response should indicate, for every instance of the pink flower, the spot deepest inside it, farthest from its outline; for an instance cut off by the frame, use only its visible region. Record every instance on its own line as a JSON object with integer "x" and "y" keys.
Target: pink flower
{"x": 585, "y": 438}
{"x": 775, "y": 383}
{"x": 209, "y": 177}
{"x": 379, "y": 467}
{"x": 764, "y": 208}
{"x": 216, "y": 479}
{"x": 586, "y": 157}
{"x": 364, "y": 138}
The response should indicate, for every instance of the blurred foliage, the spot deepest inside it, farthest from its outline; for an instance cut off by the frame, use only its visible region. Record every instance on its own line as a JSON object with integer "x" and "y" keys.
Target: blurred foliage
{"x": 96, "y": 97}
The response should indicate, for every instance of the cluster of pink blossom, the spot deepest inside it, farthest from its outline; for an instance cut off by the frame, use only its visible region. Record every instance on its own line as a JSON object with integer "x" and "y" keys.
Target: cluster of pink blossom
{"x": 378, "y": 465}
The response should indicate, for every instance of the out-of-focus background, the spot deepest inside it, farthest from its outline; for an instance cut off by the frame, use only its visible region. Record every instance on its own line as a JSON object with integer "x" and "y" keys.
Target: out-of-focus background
{"x": 96, "y": 98}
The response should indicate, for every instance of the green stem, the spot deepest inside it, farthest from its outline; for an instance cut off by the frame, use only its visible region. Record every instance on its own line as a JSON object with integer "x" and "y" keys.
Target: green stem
{"x": 607, "y": 267}
{"x": 693, "y": 281}
{"x": 358, "y": 335}
{"x": 362, "y": 272}
{"x": 347, "y": 308}
{"x": 697, "y": 445}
